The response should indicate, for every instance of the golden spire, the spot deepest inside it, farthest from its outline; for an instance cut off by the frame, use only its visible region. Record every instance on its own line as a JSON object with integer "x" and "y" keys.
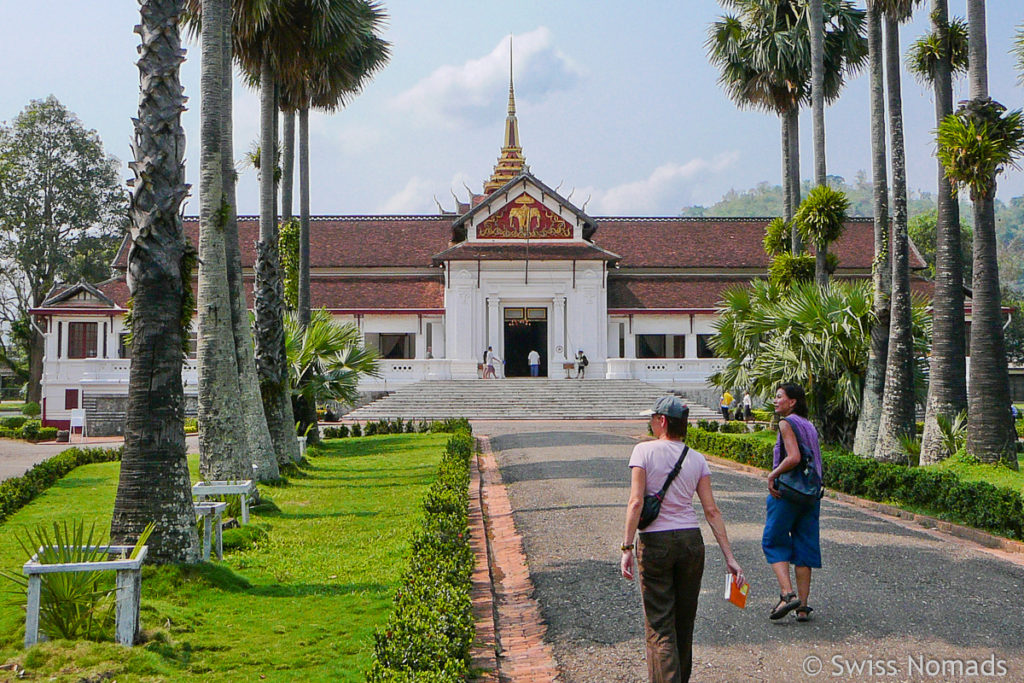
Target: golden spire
{"x": 511, "y": 160}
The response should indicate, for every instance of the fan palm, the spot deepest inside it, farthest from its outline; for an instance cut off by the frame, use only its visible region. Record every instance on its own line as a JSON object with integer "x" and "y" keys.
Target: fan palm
{"x": 935, "y": 59}
{"x": 762, "y": 51}
{"x": 1018, "y": 52}
{"x": 897, "y": 417}
{"x": 326, "y": 359}
{"x": 154, "y": 484}
{"x": 975, "y": 144}
{"x": 881, "y": 269}
{"x": 821, "y": 219}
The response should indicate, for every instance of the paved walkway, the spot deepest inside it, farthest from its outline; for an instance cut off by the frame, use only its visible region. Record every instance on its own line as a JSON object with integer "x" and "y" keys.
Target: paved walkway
{"x": 919, "y": 604}
{"x": 17, "y": 457}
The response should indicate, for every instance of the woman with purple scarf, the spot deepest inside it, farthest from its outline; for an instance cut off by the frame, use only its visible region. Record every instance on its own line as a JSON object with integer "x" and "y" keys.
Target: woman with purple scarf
{"x": 791, "y": 529}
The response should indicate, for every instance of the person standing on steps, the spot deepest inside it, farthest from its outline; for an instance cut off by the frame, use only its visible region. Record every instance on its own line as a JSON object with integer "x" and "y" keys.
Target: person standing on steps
{"x": 534, "y": 359}
{"x": 489, "y": 363}
{"x": 581, "y": 364}
{"x": 791, "y": 533}
{"x": 670, "y": 551}
{"x": 725, "y": 403}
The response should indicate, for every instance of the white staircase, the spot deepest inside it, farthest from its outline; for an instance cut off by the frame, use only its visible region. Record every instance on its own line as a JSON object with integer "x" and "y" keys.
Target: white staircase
{"x": 522, "y": 399}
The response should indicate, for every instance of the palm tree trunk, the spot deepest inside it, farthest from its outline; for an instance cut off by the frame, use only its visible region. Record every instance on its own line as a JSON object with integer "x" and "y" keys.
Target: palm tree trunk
{"x": 793, "y": 121}
{"x": 898, "y": 398}
{"x": 222, "y": 446}
{"x": 304, "y": 302}
{"x": 154, "y": 483}
{"x": 307, "y": 408}
{"x": 287, "y": 165}
{"x": 881, "y": 273}
{"x": 260, "y": 446}
{"x": 947, "y": 378}
{"x": 270, "y": 363}
{"x": 816, "y": 18}
{"x": 787, "y": 172}
{"x": 990, "y": 431}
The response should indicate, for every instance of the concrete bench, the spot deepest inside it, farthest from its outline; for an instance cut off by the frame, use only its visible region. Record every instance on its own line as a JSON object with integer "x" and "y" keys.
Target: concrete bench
{"x": 129, "y": 589}
{"x": 302, "y": 446}
{"x": 213, "y": 526}
{"x": 243, "y": 489}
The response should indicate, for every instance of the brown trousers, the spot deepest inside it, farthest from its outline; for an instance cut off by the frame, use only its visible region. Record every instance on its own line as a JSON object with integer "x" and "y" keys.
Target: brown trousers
{"x": 671, "y": 566}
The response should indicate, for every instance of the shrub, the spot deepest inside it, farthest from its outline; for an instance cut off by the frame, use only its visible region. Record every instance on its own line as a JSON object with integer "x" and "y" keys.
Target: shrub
{"x": 31, "y": 409}
{"x": 13, "y": 422}
{"x": 733, "y": 428}
{"x": 191, "y": 425}
{"x": 707, "y": 425}
{"x": 429, "y": 633}
{"x": 330, "y": 416}
{"x": 357, "y": 430}
{"x": 30, "y": 430}
{"x": 339, "y": 432}
{"x": 47, "y": 434}
{"x": 450, "y": 426}
{"x": 423, "y": 427}
{"x": 763, "y": 415}
{"x": 370, "y": 429}
{"x": 16, "y": 492}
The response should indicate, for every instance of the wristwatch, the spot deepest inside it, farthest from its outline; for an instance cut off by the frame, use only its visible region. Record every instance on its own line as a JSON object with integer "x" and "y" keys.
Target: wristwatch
{"x": 627, "y": 547}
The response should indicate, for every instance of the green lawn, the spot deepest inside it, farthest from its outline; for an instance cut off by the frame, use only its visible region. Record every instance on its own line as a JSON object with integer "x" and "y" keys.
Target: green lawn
{"x": 301, "y": 604}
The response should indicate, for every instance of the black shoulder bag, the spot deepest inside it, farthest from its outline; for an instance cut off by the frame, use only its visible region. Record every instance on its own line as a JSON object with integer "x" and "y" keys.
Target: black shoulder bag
{"x": 652, "y": 501}
{"x": 802, "y": 484}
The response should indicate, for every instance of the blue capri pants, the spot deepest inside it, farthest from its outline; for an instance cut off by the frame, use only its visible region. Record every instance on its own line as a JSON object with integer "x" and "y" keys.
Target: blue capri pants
{"x": 791, "y": 533}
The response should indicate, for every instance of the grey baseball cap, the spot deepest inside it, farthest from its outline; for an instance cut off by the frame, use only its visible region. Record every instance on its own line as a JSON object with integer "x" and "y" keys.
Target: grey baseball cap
{"x": 669, "y": 405}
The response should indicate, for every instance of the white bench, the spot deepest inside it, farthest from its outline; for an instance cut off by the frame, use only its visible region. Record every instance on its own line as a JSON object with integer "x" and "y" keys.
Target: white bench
{"x": 212, "y": 514}
{"x": 129, "y": 589}
{"x": 243, "y": 489}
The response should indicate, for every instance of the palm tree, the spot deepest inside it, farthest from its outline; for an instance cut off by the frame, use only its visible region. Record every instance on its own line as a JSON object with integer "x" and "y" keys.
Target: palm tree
{"x": 897, "y": 418}
{"x": 223, "y": 448}
{"x": 326, "y": 359}
{"x": 934, "y": 59}
{"x": 881, "y": 272}
{"x": 762, "y": 51}
{"x": 821, "y": 217}
{"x": 219, "y": 460}
{"x": 975, "y": 144}
{"x": 1018, "y": 52}
{"x": 154, "y": 483}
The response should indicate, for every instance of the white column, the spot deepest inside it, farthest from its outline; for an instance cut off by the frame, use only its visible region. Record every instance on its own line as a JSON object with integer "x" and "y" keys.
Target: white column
{"x": 494, "y": 322}
{"x": 558, "y": 350}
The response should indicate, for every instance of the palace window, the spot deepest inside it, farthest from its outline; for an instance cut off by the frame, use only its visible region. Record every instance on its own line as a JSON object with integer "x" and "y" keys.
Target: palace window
{"x": 704, "y": 349}
{"x": 393, "y": 346}
{"x": 82, "y": 338}
{"x": 661, "y": 346}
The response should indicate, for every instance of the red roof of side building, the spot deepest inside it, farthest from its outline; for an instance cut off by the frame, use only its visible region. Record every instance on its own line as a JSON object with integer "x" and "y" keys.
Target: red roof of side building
{"x": 718, "y": 242}
{"x": 346, "y": 241}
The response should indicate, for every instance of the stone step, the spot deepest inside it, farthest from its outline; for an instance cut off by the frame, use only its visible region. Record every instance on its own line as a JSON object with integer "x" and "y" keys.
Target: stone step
{"x": 520, "y": 399}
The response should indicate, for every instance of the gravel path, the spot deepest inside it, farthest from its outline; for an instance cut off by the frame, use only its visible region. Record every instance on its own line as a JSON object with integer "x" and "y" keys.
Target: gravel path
{"x": 891, "y": 603}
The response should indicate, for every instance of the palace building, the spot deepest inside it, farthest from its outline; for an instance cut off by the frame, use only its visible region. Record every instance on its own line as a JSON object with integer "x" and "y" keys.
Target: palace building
{"x": 517, "y": 268}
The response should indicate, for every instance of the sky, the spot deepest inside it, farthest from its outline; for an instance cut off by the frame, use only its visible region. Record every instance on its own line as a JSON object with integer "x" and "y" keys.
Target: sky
{"x": 617, "y": 104}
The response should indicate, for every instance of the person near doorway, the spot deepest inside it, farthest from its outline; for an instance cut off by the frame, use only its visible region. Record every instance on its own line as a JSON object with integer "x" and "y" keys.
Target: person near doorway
{"x": 791, "y": 533}
{"x": 581, "y": 364}
{"x": 670, "y": 550}
{"x": 534, "y": 359}
{"x": 489, "y": 358}
{"x": 725, "y": 403}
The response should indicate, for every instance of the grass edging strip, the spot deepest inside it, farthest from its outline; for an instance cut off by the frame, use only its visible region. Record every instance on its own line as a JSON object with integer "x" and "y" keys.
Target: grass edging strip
{"x": 429, "y": 634}
{"x": 978, "y": 505}
{"x": 17, "y": 492}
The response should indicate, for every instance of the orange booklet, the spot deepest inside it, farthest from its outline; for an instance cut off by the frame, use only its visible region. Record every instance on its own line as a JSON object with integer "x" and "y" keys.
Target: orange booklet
{"x": 737, "y": 595}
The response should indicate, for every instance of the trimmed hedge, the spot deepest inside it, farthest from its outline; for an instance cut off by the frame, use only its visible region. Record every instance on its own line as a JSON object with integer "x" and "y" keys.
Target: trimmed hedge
{"x": 429, "y": 633}
{"x": 17, "y": 492}
{"x": 27, "y": 430}
{"x": 977, "y": 504}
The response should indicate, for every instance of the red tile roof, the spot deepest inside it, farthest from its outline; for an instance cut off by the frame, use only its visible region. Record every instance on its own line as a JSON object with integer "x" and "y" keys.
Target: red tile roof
{"x": 627, "y": 292}
{"x": 472, "y": 251}
{"x": 717, "y": 242}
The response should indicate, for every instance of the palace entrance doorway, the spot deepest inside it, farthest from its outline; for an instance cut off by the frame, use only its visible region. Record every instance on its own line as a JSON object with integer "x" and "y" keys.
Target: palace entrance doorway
{"x": 526, "y": 329}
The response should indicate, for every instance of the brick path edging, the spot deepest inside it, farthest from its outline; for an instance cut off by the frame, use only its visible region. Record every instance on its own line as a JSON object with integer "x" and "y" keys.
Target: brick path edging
{"x": 509, "y": 621}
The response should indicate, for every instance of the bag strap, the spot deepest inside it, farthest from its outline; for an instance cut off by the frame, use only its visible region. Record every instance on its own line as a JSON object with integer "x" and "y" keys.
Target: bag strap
{"x": 672, "y": 475}
{"x": 804, "y": 452}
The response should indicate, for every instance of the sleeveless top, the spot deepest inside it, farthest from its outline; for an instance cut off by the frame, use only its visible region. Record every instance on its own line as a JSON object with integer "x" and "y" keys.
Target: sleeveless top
{"x": 806, "y": 434}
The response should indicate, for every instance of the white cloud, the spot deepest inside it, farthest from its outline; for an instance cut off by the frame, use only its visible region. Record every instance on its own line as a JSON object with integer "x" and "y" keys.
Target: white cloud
{"x": 664, "y": 191}
{"x": 422, "y": 196}
{"x": 471, "y": 92}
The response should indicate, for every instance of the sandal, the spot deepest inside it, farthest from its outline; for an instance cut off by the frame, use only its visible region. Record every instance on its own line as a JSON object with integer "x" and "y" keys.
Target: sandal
{"x": 803, "y": 613}
{"x": 787, "y": 603}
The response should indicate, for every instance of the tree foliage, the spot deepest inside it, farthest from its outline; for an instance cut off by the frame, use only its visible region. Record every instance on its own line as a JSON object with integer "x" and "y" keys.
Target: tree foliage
{"x": 821, "y": 217}
{"x": 922, "y": 233}
{"x": 925, "y": 53}
{"x": 326, "y": 358}
{"x": 815, "y": 336}
{"x": 977, "y": 142}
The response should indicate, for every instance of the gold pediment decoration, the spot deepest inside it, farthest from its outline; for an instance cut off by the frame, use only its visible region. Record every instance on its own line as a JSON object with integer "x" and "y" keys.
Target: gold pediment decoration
{"x": 524, "y": 218}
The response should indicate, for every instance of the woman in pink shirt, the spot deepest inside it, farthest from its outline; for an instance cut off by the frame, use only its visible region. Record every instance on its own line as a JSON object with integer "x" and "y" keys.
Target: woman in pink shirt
{"x": 671, "y": 550}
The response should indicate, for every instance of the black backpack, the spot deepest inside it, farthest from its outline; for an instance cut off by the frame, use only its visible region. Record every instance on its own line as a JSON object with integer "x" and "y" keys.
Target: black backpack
{"x": 584, "y": 361}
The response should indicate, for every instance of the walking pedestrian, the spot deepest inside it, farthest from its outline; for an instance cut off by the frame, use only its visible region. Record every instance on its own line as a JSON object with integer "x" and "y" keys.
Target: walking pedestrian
{"x": 670, "y": 550}
{"x": 534, "y": 358}
{"x": 791, "y": 534}
{"x": 489, "y": 363}
{"x": 724, "y": 404}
